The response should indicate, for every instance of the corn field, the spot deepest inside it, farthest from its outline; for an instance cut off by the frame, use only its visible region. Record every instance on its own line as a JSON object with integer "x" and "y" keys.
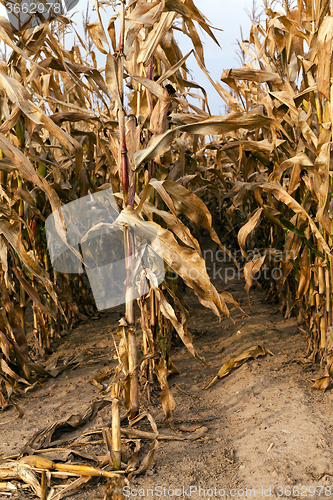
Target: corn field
{"x": 262, "y": 171}
{"x": 284, "y": 176}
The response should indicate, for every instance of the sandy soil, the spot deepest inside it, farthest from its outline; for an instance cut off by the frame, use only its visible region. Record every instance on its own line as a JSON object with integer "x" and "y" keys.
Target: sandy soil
{"x": 269, "y": 434}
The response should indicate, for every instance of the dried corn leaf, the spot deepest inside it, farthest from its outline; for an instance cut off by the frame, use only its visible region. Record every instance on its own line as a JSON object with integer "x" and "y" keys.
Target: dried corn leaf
{"x": 194, "y": 208}
{"x": 112, "y": 80}
{"x": 43, "y": 438}
{"x": 299, "y": 159}
{"x": 247, "y": 229}
{"x": 305, "y": 274}
{"x": 253, "y": 75}
{"x": 189, "y": 11}
{"x": 6, "y": 35}
{"x": 30, "y": 478}
{"x": 18, "y": 95}
{"x": 252, "y": 353}
{"x": 321, "y": 383}
{"x": 13, "y": 236}
{"x": 147, "y": 462}
{"x": 176, "y": 226}
{"x": 97, "y": 35}
{"x": 173, "y": 69}
{"x": 213, "y": 125}
{"x": 250, "y": 270}
{"x": 168, "y": 311}
{"x": 32, "y": 292}
{"x": 277, "y": 190}
{"x": 5, "y": 345}
{"x": 233, "y": 121}
{"x": 13, "y": 470}
{"x": 325, "y": 47}
{"x": 137, "y": 434}
{"x": 167, "y": 399}
{"x": 157, "y": 145}
{"x": 70, "y": 489}
{"x": 21, "y": 163}
{"x": 8, "y": 371}
{"x": 153, "y": 87}
{"x": 155, "y": 36}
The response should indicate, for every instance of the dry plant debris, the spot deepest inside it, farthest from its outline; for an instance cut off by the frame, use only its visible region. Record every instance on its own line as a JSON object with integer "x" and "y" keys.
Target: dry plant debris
{"x": 33, "y": 468}
{"x": 230, "y": 365}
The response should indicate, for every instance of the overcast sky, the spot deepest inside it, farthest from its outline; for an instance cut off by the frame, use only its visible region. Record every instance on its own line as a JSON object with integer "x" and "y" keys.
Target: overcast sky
{"x": 227, "y": 15}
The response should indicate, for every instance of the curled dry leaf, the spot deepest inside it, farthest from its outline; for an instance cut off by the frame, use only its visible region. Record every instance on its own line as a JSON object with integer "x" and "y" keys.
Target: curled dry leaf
{"x": 253, "y": 75}
{"x": 147, "y": 462}
{"x": 169, "y": 313}
{"x": 247, "y": 229}
{"x": 43, "y": 437}
{"x": 137, "y": 434}
{"x": 251, "y": 269}
{"x": 184, "y": 261}
{"x": 14, "y": 470}
{"x": 322, "y": 383}
{"x": 230, "y": 365}
{"x": 167, "y": 399}
{"x": 97, "y": 35}
{"x": 111, "y": 79}
{"x": 20, "y": 162}
{"x": 194, "y": 208}
{"x": 8, "y": 371}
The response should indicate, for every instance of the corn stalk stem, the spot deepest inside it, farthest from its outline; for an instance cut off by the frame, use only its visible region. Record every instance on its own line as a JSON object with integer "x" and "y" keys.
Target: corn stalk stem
{"x": 123, "y": 156}
{"x": 153, "y": 314}
{"x": 43, "y": 485}
{"x": 124, "y": 166}
{"x": 116, "y": 436}
{"x": 134, "y": 383}
{"x": 328, "y": 298}
{"x": 128, "y": 233}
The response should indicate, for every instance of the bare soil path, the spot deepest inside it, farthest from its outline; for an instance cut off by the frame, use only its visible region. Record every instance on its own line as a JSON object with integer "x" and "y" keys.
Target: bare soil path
{"x": 269, "y": 434}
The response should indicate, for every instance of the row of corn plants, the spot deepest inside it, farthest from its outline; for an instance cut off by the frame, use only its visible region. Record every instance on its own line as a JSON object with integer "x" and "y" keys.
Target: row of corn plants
{"x": 277, "y": 193}
{"x": 69, "y": 129}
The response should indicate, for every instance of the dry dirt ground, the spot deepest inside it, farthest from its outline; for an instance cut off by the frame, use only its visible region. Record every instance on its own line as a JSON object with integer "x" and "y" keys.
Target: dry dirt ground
{"x": 269, "y": 434}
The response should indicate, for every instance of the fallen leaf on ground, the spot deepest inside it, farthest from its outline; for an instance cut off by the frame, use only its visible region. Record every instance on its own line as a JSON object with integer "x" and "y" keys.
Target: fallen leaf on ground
{"x": 252, "y": 353}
